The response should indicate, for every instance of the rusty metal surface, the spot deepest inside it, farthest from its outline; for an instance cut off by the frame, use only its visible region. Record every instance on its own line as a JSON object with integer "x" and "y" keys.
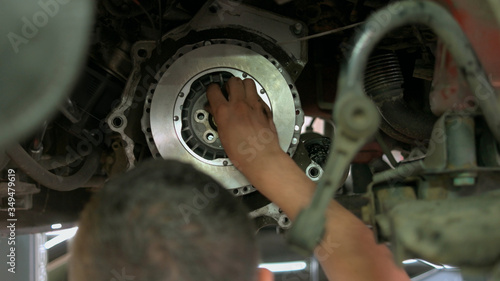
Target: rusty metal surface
{"x": 461, "y": 231}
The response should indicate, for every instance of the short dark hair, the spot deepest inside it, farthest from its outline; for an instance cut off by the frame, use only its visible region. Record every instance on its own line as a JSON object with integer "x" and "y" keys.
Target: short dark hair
{"x": 164, "y": 220}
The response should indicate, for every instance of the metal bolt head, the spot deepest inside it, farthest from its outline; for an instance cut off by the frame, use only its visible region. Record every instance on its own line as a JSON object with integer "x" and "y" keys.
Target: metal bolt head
{"x": 176, "y": 118}
{"x": 298, "y": 28}
{"x": 262, "y": 91}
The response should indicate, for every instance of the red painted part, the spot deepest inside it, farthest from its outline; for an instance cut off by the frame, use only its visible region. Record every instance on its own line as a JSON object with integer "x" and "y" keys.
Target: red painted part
{"x": 483, "y": 30}
{"x": 370, "y": 151}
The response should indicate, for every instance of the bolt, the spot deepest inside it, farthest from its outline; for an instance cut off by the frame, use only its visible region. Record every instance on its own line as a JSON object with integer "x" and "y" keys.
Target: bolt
{"x": 225, "y": 163}
{"x": 176, "y": 118}
{"x": 298, "y": 28}
{"x": 262, "y": 91}
{"x": 207, "y": 43}
{"x": 244, "y": 75}
{"x": 181, "y": 94}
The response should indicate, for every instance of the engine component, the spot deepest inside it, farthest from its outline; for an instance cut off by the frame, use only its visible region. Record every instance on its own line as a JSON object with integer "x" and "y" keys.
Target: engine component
{"x": 170, "y": 86}
{"x": 46, "y": 50}
{"x": 383, "y": 83}
{"x": 352, "y": 120}
{"x": 459, "y": 202}
{"x": 26, "y": 163}
{"x": 311, "y": 154}
{"x": 176, "y": 124}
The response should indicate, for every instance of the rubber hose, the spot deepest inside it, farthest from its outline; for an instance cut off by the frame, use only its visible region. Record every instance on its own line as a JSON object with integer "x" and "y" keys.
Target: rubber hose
{"x": 48, "y": 179}
{"x": 383, "y": 83}
{"x": 448, "y": 30}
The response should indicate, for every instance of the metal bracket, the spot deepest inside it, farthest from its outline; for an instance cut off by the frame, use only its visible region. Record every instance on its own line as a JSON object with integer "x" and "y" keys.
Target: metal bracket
{"x": 357, "y": 121}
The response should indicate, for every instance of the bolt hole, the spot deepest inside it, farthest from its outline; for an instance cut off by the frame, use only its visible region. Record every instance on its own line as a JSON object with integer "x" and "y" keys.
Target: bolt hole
{"x": 245, "y": 189}
{"x": 313, "y": 172}
{"x": 297, "y": 112}
{"x": 142, "y": 53}
{"x": 116, "y": 145}
{"x": 235, "y": 191}
{"x": 117, "y": 122}
{"x": 210, "y": 137}
{"x": 200, "y": 116}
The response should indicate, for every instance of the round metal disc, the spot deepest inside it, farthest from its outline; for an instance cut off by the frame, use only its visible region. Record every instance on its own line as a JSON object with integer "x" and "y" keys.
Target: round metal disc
{"x": 166, "y": 100}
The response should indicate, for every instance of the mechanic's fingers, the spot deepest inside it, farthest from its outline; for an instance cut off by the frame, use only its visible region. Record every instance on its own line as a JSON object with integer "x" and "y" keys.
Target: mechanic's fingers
{"x": 251, "y": 91}
{"x": 235, "y": 89}
{"x": 215, "y": 97}
{"x": 267, "y": 111}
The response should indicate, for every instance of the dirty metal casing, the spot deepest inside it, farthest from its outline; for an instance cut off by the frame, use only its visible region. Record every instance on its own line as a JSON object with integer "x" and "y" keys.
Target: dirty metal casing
{"x": 444, "y": 209}
{"x": 224, "y": 37}
{"x": 211, "y": 23}
{"x": 309, "y": 225}
{"x": 163, "y": 121}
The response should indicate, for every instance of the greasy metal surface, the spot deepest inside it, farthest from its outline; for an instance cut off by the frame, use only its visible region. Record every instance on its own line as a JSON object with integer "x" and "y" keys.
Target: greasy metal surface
{"x": 452, "y": 145}
{"x": 455, "y": 219}
{"x": 447, "y": 29}
{"x": 357, "y": 120}
{"x": 271, "y": 210}
{"x": 42, "y": 51}
{"x": 274, "y": 27}
{"x": 311, "y": 154}
{"x": 461, "y": 231}
{"x": 209, "y": 25}
{"x": 384, "y": 84}
{"x": 167, "y": 100}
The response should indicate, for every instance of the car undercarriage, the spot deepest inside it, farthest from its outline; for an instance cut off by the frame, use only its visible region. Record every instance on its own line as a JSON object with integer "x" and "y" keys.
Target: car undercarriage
{"x": 407, "y": 93}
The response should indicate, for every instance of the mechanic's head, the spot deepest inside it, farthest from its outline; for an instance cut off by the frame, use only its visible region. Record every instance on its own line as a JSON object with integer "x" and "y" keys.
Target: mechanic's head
{"x": 165, "y": 221}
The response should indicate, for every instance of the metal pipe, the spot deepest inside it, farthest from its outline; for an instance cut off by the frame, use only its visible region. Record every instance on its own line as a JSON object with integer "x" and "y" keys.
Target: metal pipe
{"x": 444, "y": 25}
{"x": 401, "y": 172}
{"x": 48, "y": 179}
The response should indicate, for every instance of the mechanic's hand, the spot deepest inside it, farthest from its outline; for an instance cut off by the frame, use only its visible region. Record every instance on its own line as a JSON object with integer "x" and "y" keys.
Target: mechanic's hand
{"x": 244, "y": 123}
